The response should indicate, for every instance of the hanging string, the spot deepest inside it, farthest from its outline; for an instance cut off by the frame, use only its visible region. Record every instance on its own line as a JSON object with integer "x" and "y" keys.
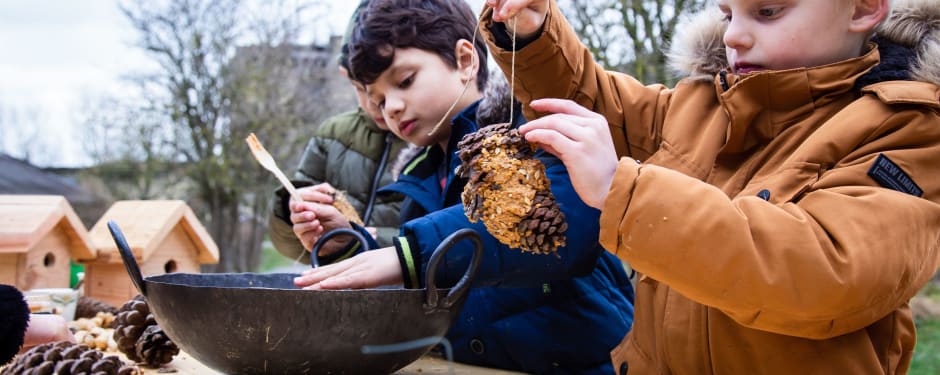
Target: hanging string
{"x": 473, "y": 59}
{"x": 512, "y": 71}
{"x": 302, "y": 253}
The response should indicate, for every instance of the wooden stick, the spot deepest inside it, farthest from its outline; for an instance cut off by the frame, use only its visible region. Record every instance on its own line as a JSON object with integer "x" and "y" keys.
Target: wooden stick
{"x": 266, "y": 161}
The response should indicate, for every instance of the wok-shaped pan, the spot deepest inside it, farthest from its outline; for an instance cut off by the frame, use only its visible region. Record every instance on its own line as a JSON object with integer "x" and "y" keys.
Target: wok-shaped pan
{"x": 250, "y": 323}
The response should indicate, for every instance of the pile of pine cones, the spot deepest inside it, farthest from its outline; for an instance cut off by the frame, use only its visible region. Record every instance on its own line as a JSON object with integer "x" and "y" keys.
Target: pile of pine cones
{"x": 64, "y": 357}
{"x": 140, "y": 337}
{"x": 509, "y": 191}
{"x": 136, "y": 334}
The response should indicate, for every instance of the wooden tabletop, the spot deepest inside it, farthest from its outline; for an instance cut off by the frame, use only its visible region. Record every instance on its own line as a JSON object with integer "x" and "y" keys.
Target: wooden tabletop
{"x": 428, "y": 364}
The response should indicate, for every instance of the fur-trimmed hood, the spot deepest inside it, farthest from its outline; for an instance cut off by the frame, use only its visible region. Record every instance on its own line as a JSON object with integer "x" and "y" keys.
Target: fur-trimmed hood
{"x": 697, "y": 51}
{"x": 493, "y": 109}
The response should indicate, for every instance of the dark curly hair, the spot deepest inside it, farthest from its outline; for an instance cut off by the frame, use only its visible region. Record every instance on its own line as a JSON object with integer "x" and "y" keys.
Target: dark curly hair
{"x": 343, "y": 58}
{"x": 430, "y": 25}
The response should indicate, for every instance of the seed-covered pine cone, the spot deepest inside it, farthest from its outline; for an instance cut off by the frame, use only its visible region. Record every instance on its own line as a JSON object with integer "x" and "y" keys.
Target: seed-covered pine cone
{"x": 64, "y": 357}
{"x": 345, "y": 207}
{"x": 509, "y": 191}
{"x": 155, "y": 348}
{"x": 90, "y": 307}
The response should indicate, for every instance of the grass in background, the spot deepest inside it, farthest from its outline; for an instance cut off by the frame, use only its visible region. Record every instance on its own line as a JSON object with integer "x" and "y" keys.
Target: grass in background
{"x": 931, "y": 290}
{"x": 271, "y": 259}
{"x": 926, "y": 359}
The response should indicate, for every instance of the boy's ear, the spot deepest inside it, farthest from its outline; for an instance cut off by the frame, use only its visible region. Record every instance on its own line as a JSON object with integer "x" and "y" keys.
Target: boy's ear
{"x": 467, "y": 59}
{"x": 868, "y": 14}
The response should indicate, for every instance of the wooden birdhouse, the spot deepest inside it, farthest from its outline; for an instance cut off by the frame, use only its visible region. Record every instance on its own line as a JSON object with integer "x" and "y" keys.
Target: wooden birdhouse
{"x": 39, "y": 234}
{"x": 165, "y": 237}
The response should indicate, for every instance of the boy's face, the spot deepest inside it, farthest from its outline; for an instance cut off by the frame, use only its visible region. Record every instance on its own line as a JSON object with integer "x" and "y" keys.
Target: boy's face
{"x": 416, "y": 92}
{"x": 788, "y": 34}
{"x": 367, "y": 106}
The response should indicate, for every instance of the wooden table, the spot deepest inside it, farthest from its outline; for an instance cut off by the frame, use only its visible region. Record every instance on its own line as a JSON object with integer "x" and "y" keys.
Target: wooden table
{"x": 428, "y": 364}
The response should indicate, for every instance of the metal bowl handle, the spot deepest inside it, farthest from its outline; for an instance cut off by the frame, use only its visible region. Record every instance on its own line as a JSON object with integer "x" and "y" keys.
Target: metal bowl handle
{"x": 128, "y": 256}
{"x": 464, "y": 284}
{"x": 314, "y": 262}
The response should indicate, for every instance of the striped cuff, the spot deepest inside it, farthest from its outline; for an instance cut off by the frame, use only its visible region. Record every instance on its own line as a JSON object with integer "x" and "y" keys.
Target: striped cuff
{"x": 409, "y": 259}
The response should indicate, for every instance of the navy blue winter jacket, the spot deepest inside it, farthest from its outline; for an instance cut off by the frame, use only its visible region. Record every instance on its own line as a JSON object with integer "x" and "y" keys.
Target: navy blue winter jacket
{"x": 526, "y": 312}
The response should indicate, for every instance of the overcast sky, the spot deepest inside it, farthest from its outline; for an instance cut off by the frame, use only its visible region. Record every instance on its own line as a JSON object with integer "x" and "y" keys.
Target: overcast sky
{"x": 55, "y": 52}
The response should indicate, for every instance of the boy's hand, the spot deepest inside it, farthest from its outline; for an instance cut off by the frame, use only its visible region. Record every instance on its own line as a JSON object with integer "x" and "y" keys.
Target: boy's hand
{"x": 528, "y": 15}
{"x": 367, "y": 270}
{"x": 581, "y": 139}
{"x": 312, "y": 220}
{"x": 320, "y": 193}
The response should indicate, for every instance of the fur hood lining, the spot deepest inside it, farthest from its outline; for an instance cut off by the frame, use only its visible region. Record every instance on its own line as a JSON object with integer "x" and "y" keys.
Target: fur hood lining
{"x": 697, "y": 51}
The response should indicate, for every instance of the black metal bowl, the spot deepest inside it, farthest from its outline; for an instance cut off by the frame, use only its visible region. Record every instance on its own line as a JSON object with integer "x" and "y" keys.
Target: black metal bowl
{"x": 249, "y": 323}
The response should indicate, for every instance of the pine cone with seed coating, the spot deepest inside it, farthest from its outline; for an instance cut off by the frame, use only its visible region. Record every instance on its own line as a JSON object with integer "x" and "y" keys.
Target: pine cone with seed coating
{"x": 345, "y": 207}
{"x": 508, "y": 190}
{"x": 155, "y": 348}
{"x": 67, "y": 358}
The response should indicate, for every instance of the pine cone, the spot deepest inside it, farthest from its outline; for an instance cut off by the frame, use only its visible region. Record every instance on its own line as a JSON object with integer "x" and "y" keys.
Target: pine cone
{"x": 89, "y": 307}
{"x": 342, "y": 204}
{"x": 139, "y": 336}
{"x": 154, "y": 348}
{"x": 64, "y": 357}
{"x": 129, "y": 324}
{"x": 509, "y": 191}
{"x": 544, "y": 227}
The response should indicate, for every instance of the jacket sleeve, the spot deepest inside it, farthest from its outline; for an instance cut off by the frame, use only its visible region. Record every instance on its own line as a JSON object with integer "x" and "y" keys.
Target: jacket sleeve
{"x": 840, "y": 254}
{"x": 501, "y": 265}
{"x": 280, "y": 228}
{"x": 558, "y": 53}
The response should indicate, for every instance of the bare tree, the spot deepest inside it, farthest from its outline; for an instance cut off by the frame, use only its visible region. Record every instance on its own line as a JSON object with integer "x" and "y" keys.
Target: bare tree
{"x": 129, "y": 149}
{"x": 189, "y": 125}
{"x": 630, "y": 35}
{"x": 22, "y": 134}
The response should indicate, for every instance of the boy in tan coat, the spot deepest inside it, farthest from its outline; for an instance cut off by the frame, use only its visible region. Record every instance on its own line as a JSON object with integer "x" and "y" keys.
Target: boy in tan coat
{"x": 782, "y": 203}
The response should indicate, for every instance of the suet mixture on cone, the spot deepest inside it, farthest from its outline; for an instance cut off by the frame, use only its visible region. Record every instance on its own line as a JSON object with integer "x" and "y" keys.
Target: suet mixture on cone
{"x": 509, "y": 191}
{"x": 345, "y": 207}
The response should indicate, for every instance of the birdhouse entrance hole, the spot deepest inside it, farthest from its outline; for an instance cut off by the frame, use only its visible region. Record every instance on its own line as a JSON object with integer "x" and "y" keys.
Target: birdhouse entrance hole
{"x": 170, "y": 266}
{"x": 48, "y": 260}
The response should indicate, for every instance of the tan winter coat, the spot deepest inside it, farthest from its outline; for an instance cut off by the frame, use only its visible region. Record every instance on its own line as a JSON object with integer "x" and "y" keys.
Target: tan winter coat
{"x": 774, "y": 218}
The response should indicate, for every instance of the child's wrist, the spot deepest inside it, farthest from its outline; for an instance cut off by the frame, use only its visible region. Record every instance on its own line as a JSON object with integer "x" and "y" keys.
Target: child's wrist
{"x": 503, "y": 37}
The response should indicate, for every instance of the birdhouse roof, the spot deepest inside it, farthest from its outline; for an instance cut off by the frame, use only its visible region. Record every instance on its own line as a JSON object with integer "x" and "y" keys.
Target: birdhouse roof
{"x": 27, "y": 219}
{"x": 146, "y": 223}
